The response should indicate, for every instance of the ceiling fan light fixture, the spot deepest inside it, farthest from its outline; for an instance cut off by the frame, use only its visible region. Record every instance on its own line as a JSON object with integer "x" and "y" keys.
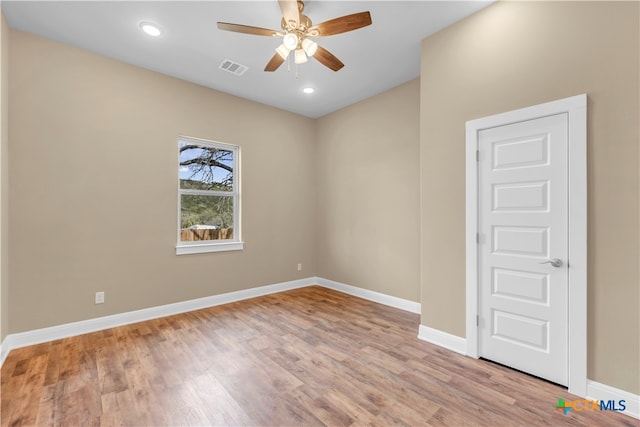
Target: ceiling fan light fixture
{"x": 297, "y": 32}
{"x": 290, "y": 41}
{"x": 283, "y": 51}
{"x": 301, "y": 57}
{"x": 309, "y": 46}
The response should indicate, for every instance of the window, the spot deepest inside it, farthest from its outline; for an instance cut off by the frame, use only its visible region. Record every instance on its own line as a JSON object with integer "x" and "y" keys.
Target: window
{"x": 209, "y": 197}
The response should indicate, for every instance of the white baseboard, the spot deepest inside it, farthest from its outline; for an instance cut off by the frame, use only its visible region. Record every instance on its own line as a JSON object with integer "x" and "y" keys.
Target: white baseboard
{"x": 595, "y": 390}
{"x": 4, "y": 351}
{"x": 598, "y": 391}
{"x": 403, "y": 304}
{"x": 37, "y": 336}
{"x": 443, "y": 339}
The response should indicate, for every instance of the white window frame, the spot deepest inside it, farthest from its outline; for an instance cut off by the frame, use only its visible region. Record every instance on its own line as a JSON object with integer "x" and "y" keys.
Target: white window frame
{"x": 198, "y": 247}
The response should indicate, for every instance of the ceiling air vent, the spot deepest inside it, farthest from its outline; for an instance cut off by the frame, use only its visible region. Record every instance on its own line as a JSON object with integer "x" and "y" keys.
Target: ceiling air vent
{"x": 233, "y": 67}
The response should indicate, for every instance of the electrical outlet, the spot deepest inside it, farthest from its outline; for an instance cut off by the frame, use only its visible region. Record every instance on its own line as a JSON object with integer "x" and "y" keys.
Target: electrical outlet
{"x": 99, "y": 297}
{"x": 299, "y": 267}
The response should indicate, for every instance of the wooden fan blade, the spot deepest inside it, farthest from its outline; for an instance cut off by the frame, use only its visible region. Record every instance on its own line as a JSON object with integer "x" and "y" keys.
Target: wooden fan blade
{"x": 290, "y": 11}
{"x": 327, "y": 59}
{"x": 248, "y": 29}
{"x": 341, "y": 25}
{"x": 274, "y": 63}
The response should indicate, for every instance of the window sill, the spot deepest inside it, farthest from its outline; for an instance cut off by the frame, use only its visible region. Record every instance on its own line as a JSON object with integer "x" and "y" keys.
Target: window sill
{"x": 209, "y": 247}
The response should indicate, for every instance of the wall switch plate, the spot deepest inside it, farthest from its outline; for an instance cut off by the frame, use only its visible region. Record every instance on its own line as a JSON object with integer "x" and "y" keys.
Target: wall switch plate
{"x": 99, "y": 297}
{"x": 299, "y": 267}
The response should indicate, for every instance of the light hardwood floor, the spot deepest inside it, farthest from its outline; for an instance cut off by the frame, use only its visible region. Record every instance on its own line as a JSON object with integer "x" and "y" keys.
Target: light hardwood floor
{"x": 310, "y": 356}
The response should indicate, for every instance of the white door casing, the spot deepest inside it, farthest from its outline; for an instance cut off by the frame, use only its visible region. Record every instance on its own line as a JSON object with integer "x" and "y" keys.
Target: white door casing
{"x": 522, "y": 222}
{"x": 517, "y": 233}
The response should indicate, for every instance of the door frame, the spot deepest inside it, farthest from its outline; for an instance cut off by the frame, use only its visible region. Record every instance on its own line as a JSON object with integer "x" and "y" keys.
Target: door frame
{"x": 576, "y": 109}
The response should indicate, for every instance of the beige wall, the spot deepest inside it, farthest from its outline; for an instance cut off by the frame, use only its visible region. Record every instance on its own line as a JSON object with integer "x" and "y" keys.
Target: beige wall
{"x": 4, "y": 178}
{"x": 367, "y": 163}
{"x": 93, "y": 178}
{"x": 513, "y": 55}
{"x": 94, "y": 187}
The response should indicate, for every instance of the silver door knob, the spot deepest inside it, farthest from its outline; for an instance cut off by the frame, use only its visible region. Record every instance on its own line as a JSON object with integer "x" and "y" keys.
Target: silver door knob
{"x": 554, "y": 262}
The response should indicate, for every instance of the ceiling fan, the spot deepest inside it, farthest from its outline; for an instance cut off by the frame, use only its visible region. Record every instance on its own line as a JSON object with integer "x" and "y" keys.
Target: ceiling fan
{"x": 296, "y": 32}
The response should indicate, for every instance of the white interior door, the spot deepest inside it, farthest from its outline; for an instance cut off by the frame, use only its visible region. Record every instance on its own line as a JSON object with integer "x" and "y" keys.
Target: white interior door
{"x": 523, "y": 246}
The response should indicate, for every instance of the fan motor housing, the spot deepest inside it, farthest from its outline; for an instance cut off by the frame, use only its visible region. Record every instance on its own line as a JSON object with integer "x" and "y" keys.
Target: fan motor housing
{"x": 304, "y": 23}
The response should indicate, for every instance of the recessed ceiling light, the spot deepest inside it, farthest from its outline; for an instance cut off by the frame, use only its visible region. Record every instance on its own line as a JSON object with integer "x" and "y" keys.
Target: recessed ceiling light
{"x": 308, "y": 90}
{"x": 150, "y": 29}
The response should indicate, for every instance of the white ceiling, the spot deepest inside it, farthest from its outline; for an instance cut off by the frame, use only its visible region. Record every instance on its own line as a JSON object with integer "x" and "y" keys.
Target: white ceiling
{"x": 377, "y": 57}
